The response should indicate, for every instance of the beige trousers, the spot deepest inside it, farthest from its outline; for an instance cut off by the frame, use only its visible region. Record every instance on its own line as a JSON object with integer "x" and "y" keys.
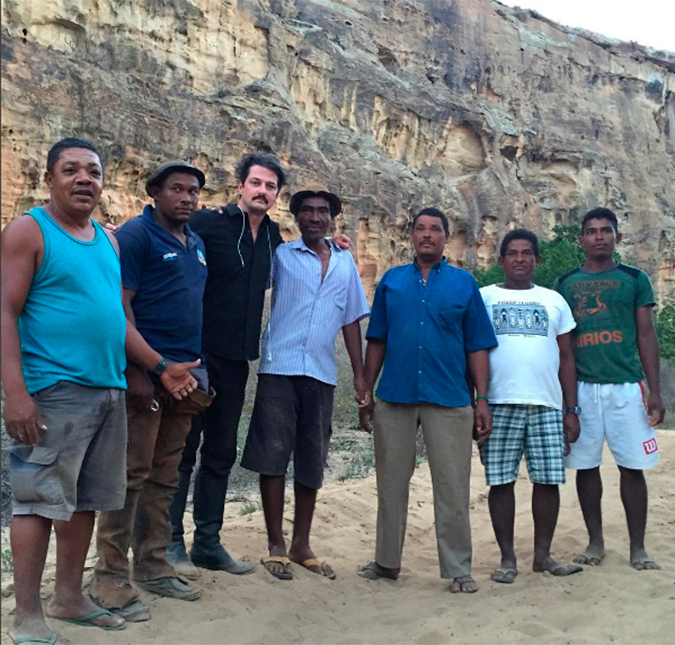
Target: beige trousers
{"x": 447, "y": 435}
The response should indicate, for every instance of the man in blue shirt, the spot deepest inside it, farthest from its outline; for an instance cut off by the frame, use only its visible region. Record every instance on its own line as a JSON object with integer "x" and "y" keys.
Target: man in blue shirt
{"x": 316, "y": 292}
{"x": 163, "y": 277}
{"x": 428, "y": 324}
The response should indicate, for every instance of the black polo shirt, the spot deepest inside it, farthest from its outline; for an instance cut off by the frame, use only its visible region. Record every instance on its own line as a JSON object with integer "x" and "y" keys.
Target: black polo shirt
{"x": 239, "y": 271}
{"x": 168, "y": 278}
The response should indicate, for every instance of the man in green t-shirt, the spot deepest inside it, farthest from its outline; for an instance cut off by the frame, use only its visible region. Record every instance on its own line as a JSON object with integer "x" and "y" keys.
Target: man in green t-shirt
{"x": 614, "y": 341}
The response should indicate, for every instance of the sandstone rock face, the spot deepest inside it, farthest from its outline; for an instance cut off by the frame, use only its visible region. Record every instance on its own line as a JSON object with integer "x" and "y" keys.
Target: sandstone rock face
{"x": 497, "y": 116}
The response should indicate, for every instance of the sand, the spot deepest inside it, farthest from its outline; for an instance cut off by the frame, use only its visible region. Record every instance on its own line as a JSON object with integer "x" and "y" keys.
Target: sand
{"x": 609, "y": 604}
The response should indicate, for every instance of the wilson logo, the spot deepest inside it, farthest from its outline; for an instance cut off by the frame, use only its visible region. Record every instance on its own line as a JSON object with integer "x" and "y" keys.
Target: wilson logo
{"x": 650, "y": 446}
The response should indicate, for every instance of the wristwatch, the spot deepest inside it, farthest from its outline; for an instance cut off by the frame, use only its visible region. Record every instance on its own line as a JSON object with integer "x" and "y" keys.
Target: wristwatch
{"x": 575, "y": 410}
{"x": 160, "y": 367}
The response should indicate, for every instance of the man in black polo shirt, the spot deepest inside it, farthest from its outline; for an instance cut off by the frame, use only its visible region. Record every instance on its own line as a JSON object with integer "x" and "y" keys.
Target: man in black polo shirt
{"x": 163, "y": 277}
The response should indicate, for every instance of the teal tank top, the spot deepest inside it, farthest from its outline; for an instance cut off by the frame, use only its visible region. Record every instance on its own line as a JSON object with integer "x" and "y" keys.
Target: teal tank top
{"x": 73, "y": 326}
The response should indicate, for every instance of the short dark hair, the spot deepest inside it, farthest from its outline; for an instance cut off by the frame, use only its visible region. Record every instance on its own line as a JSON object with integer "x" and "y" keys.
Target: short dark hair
{"x": 519, "y": 234}
{"x": 69, "y": 142}
{"x": 433, "y": 212}
{"x": 260, "y": 159}
{"x": 600, "y": 213}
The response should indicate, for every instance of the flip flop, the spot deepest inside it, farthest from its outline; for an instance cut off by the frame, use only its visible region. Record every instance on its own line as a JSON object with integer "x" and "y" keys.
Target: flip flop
{"x": 88, "y": 620}
{"x": 564, "y": 569}
{"x": 19, "y": 640}
{"x": 315, "y": 562}
{"x": 640, "y": 565}
{"x": 286, "y": 574}
{"x": 589, "y": 559}
{"x": 459, "y": 582}
{"x": 373, "y": 571}
{"x": 505, "y": 575}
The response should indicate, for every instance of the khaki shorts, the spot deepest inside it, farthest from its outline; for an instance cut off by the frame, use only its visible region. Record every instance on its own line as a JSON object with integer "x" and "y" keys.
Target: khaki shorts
{"x": 80, "y": 463}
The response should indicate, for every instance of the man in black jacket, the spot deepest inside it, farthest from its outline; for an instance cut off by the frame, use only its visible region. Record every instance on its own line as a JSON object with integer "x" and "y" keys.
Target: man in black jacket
{"x": 240, "y": 241}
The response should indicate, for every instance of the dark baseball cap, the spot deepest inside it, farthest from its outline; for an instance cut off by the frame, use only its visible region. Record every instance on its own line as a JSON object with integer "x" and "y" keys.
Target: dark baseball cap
{"x": 175, "y": 165}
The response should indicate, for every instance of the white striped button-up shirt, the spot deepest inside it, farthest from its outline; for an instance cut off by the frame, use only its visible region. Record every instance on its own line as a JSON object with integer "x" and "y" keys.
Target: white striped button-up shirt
{"x": 307, "y": 313}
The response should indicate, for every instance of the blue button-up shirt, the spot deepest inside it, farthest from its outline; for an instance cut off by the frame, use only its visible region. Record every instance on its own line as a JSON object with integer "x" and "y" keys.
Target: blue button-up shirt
{"x": 428, "y": 331}
{"x": 307, "y": 313}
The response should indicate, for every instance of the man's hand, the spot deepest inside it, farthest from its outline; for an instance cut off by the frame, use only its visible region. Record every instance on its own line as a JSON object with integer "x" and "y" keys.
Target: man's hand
{"x": 22, "y": 419}
{"x": 482, "y": 421}
{"x": 178, "y": 381}
{"x": 571, "y": 428}
{"x": 342, "y": 241}
{"x": 140, "y": 389}
{"x": 111, "y": 227}
{"x": 366, "y": 409}
{"x": 655, "y": 409}
{"x": 360, "y": 389}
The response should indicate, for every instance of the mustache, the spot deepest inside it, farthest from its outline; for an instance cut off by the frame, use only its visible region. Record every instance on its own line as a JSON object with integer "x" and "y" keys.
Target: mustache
{"x": 261, "y": 197}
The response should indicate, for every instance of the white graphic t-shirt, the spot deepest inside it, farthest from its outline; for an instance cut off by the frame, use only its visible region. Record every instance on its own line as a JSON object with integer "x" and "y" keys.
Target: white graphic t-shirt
{"x": 524, "y": 366}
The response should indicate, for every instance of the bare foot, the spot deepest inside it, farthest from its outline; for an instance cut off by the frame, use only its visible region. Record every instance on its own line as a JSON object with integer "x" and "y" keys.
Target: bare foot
{"x": 464, "y": 584}
{"x": 556, "y": 568}
{"x": 642, "y": 562}
{"x": 592, "y": 556}
{"x": 33, "y": 627}
{"x": 83, "y": 606}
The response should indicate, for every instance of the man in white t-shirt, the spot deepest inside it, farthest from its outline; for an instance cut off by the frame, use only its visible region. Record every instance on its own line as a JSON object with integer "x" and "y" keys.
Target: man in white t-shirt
{"x": 532, "y": 373}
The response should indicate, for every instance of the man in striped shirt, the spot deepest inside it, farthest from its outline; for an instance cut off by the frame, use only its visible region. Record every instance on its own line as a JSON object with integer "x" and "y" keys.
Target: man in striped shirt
{"x": 316, "y": 292}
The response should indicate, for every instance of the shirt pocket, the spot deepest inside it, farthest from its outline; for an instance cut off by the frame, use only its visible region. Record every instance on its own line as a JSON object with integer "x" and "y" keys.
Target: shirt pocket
{"x": 451, "y": 316}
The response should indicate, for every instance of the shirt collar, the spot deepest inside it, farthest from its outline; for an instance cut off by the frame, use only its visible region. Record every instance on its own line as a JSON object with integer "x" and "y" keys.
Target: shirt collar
{"x": 233, "y": 210}
{"x": 299, "y": 245}
{"x": 147, "y": 215}
{"x": 438, "y": 266}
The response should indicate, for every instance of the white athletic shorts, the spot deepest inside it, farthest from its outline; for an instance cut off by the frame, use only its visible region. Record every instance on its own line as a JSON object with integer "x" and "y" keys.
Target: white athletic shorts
{"x": 617, "y": 411}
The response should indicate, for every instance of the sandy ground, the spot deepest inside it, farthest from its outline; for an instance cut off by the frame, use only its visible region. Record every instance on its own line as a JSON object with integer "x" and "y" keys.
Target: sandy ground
{"x": 610, "y": 604}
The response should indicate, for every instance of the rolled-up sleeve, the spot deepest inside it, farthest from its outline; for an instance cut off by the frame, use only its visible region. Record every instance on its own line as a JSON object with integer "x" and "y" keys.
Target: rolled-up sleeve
{"x": 378, "y": 328}
{"x": 357, "y": 304}
{"x": 477, "y": 326}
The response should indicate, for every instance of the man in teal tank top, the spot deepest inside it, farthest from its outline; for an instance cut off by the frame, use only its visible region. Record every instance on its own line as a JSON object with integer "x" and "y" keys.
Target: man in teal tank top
{"x": 64, "y": 334}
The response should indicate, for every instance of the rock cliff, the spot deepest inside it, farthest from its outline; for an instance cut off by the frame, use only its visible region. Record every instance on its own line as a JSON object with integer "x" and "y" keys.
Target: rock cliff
{"x": 496, "y": 115}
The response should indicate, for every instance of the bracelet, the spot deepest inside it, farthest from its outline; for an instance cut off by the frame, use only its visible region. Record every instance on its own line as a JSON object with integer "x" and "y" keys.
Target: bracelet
{"x": 484, "y": 398}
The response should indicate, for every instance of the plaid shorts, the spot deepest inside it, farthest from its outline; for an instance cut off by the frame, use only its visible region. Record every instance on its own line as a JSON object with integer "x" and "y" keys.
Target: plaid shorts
{"x": 537, "y": 431}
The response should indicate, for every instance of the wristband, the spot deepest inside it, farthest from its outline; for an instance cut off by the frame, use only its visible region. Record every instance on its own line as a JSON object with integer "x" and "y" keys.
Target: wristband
{"x": 484, "y": 398}
{"x": 160, "y": 367}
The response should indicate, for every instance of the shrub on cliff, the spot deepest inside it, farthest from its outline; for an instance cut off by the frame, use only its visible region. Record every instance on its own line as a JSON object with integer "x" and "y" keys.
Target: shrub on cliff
{"x": 562, "y": 254}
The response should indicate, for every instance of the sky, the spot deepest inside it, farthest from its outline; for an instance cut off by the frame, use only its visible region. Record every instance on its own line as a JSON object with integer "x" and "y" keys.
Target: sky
{"x": 648, "y": 22}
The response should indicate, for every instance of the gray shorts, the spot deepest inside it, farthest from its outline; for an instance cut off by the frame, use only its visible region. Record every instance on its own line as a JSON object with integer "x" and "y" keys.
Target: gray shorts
{"x": 80, "y": 463}
{"x": 292, "y": 414}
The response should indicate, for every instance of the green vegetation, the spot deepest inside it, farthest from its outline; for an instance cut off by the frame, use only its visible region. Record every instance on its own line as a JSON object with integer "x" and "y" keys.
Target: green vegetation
{"x": 558, "y": 255}
{"x": 562, "y": 254}
{"x": 665, "y": 330}
{"x": 7, "y": 560}
{"x": 360, "y": 466}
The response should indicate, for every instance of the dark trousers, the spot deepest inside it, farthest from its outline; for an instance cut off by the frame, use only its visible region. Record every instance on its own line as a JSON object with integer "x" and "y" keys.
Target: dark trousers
{"x": 217, "y": 430}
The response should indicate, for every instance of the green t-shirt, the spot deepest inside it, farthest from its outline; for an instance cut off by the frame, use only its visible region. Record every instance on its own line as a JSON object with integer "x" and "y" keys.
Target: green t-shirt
{"x": 604, "y": 306}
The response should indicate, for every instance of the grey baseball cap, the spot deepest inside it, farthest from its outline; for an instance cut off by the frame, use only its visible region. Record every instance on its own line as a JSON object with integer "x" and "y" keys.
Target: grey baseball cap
{"x": 175, "y": 165}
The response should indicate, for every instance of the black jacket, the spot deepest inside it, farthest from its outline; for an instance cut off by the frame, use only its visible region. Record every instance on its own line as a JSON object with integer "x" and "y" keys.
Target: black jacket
{"x": 239, "y": 272}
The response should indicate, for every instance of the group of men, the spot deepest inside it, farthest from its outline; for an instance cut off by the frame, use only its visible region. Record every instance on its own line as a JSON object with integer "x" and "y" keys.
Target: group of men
{"x": 169, "y": 308}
